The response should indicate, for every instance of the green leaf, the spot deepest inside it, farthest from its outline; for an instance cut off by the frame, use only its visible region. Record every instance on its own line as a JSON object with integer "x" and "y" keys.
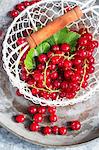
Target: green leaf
{"x": 30, "y": 61}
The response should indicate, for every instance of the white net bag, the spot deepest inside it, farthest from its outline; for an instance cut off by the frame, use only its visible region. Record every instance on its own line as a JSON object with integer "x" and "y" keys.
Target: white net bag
{"x": 40, "y": 14}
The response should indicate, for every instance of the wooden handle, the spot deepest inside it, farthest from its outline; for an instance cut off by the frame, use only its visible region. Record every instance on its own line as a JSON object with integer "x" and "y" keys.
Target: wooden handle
{"x": 52, "y": 27}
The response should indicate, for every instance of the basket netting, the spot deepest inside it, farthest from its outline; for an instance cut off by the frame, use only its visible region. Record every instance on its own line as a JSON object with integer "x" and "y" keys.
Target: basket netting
{"x": 39, "y": 15}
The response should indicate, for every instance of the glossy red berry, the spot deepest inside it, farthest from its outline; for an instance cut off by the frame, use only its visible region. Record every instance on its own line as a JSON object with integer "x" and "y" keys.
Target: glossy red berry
{"x": 55, "y": 48}
{"x": 42, "y": 110}
{"x": 35, "y": 91}
{"x": 26, "y": 3}
{"x": 21, "y": 40}
{"x": 53, "y": 118}
{"x": 45, "y": 95}
{"x": 42, "y": 58}
{"x": 55, "y": 130}
{"x": 91, "y": 69}
{"x": 34, "y": 127}
{"x": 62, "y": 130}
{"x": 47, "y": 130}
{"x": 32, "y": 109}
{"x": 75, "y": 125}
{"x": 31, "y": 82}
{"x": 94, "y": 44}
{"x": 68, "y": 74}
{"x": 51, "y": 110}
{"x": 68, "y": 64}
{"x": 18, "y": 93}
{"x": 75, "y": 77}
{"x": 52, "y": 66}
{"x": 20, "y": 118}
{"x": 55, "y": 59}
{"x": 54, "y": 75}
{"x": 87, "y": 36}
{"x": 53, "y": 95}
{"x": 82, "y": 53}
{"x": 70, "y": 95}
{"x": 64, "y": 85}
{"x": 65, "y": 47}
{"x": 41, "y": 67}
{"x": 62, "y": 94}
{"x": 84, "y": 84}
{"x": 20, "y": 7}
{"x": 13, "y": 13}
{"x": 77, "y": 61}
{"x": 38, "y": 76}
{"x": 38, "y": 117}
{"x": 57, "y": 84}
{"x": 83, "y": 41}
{"x": 49, "y": 54}
{"x": 91, "y": 60}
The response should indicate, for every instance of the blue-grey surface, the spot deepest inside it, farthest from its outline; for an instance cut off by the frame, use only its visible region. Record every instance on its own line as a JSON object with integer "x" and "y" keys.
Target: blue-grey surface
{"x": 9, "y": 141}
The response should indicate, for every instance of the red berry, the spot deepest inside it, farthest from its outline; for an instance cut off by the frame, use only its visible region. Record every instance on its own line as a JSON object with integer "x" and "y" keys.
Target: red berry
{"x": 79, "y": 70}
{"x": 38, "y": 117}
{"x": 42, "y": 58}
{"x": 62, "y": 130}
{"x": 42, "y": 110}
{"x": 45, "y": 95}
{"x": 68, "y": 74}
{"x": 91, "y": 60}
{"x": 55, "y": 48}
{"x": 55, "y": 59}
{"x": 13, "y": 13}
{"x": 68, "y": 8}
{"x": 53, "y": 118}
{"x": 24, "y": 76}
{"x": 20, "y": 7}
{"x": 82, "y": 53}
{"x": 75, "y": 125}
{"x": 68, "y": 64}
{"x": 77, "y": 61}
{"x": 35, "y": 91}
{"x": 52, "y": 66}
{"x": 34, "y": 126}
{"x": 38, "y": 76}
{"x": 59, "y": 52}
{"x": 57, "y": 84}
{"x": 65, "y": 47}
{"x": 47, "y": 72}
{"x": 55, "y": 130}
{"x": 18, "y": 93}
{"x": 86, "y": 77}
{"x": 48, "y": 81}
{"x": 89, "y": 54}
{"x": 70, "y": 95}
{"x": 91, "y": 69}
{"x": 64, "y": 85}
{"x": 21, "y": 40}
{"x": 75, "y": 77}
{"x": 94, "y": 44}
{"x": 54, "y": 75}
{"x": 41, "y": 67}
{"x": 20, "y": 118}
{"x": 84, "y": 84}
{"x": 40, "y": 84}
{"x": 87, "y": 36}
{"x": 26, "y": 3}
{"x": 32, "y": 2}
{"x": 32, "y": 82}
{"x": 53, "y": 96}
{"x": 49, "y": 54}
{"x": 32, "y": 109}
{"x": 51, "y": 110}
{"x": 82, "y": 41}
{"x": 61, "y": 62}
{"x": 62, "y": 94}
{"x": 47, "y": 130}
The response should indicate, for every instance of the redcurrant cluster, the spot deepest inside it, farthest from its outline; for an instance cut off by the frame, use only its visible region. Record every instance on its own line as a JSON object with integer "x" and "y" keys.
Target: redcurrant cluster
{"x": 38, "y": 114}
{"x": 62, "y": 73}
{"x": 20, "y": 7}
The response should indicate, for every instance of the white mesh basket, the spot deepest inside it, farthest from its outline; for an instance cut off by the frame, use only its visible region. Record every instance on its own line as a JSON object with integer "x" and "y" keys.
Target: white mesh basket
{"x": 40, "y": 14}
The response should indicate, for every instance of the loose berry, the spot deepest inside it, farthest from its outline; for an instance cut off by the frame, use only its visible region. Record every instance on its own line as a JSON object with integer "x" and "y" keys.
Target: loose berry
{"x": 20, "y": 118}
{"x": 53, "y": 118}
{"x": 38, "y": 117}
{"x": 21, "y": 40}
{"x": 32, "y": 109}
{"x": 26, "y": 3}
{"x": 42, "y": 110}
{"x": 20, "y": 7}
{"x": 51, "y": 110}
{"x": 34, "y": 127}
{"x": 18, "y": 93}
{"x": 47, "y": 130}
{"x": 13, "y": 13}
{"x": 75, "y": 125}
{"x": 84, "y": 84}
{"x": 55, "y": 130}
{"x": 62, "y": 130}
